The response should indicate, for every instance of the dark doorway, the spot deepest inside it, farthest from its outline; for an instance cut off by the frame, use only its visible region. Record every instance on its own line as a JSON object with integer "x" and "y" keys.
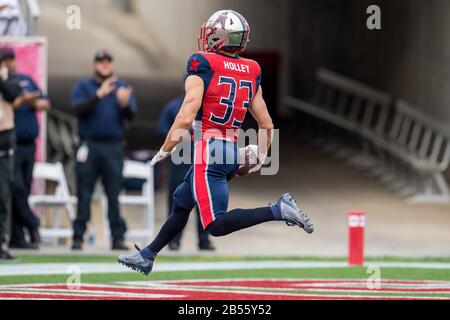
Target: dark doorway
{"x": 270, "y": 63}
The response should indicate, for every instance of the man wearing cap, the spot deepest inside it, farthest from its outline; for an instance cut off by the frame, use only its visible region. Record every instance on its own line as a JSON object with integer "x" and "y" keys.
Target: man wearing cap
{"x": 102, "y": 104}
{"x": 27, "y": 130}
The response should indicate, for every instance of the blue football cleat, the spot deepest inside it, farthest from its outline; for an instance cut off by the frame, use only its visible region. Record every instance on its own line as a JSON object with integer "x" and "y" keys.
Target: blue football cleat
{"x": 292, "y": 215}
{"x": 137, "y": 262}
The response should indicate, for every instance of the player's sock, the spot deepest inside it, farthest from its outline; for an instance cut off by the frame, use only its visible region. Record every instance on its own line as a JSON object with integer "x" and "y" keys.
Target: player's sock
{"x": 239, "y": 219}
{"x": 276, "y": 212}
{"x": 174, "y": 225}
{"x": 147, "y": 253}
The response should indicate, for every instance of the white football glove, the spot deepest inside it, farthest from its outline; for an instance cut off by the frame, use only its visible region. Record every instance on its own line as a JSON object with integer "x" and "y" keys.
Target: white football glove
{"x": 254, "y": 157}
{"x": 161, "y": 155}
{"x": 250, "y": 154}
{"x": 261, "y": 160}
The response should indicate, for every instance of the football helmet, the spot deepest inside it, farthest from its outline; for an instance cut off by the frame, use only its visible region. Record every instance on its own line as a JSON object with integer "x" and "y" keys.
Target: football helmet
{"x": 224, "y": 29}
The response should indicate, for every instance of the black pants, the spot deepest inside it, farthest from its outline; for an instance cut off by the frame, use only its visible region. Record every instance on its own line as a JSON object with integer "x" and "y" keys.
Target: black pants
{"x": 105, "y": 161}
{"x": 6, "y": 169}
{"x": 7, "y": 141}
{"x": 177, "y": 175}
{"x": 22, "y": 215}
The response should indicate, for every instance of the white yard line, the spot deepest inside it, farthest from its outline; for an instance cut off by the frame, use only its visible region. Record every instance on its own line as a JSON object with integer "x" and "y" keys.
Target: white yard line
{"x": 88, "y": 294}
{"x": 86, "y": 268}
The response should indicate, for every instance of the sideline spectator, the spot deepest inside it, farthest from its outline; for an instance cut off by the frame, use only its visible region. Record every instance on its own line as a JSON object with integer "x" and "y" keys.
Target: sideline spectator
{"x": 102, "y": 104}
{"x": 27, "y": 130}
{"x": 9, "y": 92}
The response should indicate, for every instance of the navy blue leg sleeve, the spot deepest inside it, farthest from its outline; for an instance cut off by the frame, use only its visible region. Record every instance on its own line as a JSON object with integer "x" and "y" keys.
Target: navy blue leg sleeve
{"x": 173, "y": 226}
{"x": 239, "y": 219}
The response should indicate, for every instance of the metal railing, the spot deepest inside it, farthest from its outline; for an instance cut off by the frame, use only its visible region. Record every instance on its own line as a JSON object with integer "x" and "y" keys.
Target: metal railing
{"x": 396, "y": 142}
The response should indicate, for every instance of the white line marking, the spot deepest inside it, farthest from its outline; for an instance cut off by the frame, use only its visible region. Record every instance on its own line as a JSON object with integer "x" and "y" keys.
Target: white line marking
{"x": 94, "y": 268}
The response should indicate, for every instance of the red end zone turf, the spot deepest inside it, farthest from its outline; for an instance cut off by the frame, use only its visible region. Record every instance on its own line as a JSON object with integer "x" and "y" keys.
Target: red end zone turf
{"x": 235, "y": 289}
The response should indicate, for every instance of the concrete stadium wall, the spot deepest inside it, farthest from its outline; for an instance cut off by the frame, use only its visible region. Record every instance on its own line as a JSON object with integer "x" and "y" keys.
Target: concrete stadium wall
{"x": 176, "y": 24}
{"x": 102, "y": 26}
{"x": 154, "y": 40}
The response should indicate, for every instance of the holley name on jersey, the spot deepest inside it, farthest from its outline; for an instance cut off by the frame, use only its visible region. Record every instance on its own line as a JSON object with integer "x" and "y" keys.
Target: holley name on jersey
{"x": 236, "y": 67}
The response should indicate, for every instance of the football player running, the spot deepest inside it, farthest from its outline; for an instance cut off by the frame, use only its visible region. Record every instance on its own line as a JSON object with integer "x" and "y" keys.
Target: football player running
{"x": 220, "y": 88}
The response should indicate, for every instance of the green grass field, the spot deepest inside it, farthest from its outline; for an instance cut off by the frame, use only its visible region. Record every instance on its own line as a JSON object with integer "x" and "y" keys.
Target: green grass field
{"x": 323, "y": 273}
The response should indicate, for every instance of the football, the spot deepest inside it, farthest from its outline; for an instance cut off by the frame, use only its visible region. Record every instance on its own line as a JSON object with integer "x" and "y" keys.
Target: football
{"x": 248, "y": 159}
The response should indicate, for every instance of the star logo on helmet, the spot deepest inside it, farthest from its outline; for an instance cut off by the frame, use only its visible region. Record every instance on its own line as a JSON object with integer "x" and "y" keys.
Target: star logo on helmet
{"x": 221, "y": 20}
{"x": 194, "y": 65}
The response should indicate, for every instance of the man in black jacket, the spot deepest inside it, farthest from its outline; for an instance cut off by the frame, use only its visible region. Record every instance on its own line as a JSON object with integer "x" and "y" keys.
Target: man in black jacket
{"x": 27, "y": 130}
{"x": 9, "y": 92}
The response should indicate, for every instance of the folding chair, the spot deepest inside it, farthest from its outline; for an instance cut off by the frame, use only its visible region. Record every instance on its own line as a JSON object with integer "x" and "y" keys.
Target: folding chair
{"x": 142, "y": 171}
{"x": 57, "y": 201}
